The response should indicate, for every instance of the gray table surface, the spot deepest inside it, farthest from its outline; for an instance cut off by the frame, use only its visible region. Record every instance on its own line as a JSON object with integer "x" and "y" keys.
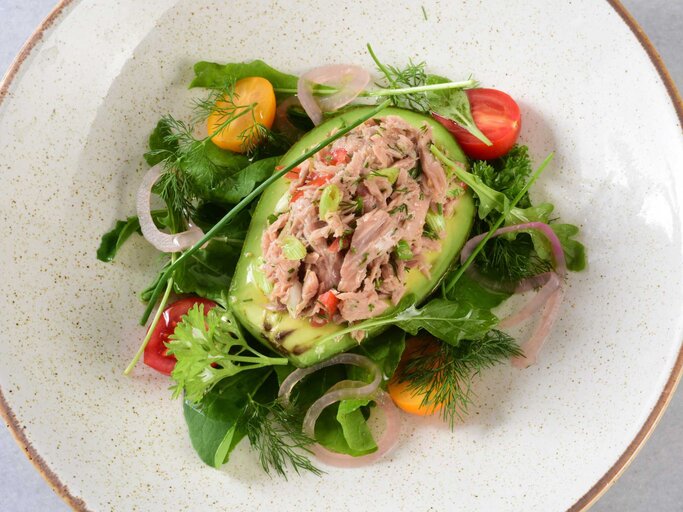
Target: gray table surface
{"x": 653, "y": 482}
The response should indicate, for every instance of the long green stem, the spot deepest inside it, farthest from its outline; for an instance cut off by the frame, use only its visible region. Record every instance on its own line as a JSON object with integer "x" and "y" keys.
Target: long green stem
{"x": 463, "y": 84}
{"x": 444, "y": 159}
{"x": 155, "y": 321}
{"x": 248, "y": 199}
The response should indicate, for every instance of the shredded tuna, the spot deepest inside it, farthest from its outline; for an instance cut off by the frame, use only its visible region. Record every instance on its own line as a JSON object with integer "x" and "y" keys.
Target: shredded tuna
{"x": 352, "y": 251}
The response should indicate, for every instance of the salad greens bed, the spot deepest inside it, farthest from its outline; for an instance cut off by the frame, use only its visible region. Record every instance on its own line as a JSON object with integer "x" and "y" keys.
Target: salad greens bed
{"x": 228, "y": 381}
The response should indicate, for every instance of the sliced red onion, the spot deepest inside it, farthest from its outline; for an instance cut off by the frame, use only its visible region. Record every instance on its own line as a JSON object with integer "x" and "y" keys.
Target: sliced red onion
{"x": 385, "y": 443}
{"x": 349, "y": 81}
{"x": 346, "y": 390}
{"x": 525, "y": 284}
{"x": 536, "y": 303}
{"x": 353, "y": 359}
{"x": 549, "y": 297}
{"x": 533, "y": 346}
{"x": 164, "y": 242}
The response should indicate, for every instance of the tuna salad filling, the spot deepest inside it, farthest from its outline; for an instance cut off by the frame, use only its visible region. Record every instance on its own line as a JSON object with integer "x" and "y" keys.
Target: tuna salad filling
{"x": 362, "y": 214}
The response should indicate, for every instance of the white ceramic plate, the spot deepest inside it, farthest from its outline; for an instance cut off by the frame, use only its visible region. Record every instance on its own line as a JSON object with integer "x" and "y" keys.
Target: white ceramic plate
{"x": 75, "y": 112}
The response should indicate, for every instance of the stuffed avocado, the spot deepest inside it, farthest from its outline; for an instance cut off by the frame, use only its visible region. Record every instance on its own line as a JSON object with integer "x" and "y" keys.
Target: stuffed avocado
{"x": 299, "y": 332}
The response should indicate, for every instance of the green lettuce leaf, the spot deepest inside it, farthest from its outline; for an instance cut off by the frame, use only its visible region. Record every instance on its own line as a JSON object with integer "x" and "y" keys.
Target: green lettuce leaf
{"x": 212, "y": 423}
{"x": 214, "y": 76}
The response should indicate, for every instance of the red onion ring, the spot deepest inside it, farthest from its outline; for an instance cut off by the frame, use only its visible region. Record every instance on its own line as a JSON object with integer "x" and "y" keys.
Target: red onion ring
{"x": 549, "y": 297}
{"x": 346, "y": 390}
{"x": 386, "y": 442}
{"x": 348, "y": 79}
{"x": 536, "y": 303}
{"x": 353, "y": 359}
{"x": 163, "y": 242}
{"x": 535, "y": 343}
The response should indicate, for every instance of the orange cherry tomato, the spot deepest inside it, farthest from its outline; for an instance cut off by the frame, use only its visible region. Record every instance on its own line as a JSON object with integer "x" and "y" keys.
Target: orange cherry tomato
{"x": 235, "y": 135}
{"x": 405, "y": 398}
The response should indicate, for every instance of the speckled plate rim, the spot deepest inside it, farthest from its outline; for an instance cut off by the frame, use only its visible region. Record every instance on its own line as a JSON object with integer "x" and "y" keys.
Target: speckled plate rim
{"x": 586, "y": 501}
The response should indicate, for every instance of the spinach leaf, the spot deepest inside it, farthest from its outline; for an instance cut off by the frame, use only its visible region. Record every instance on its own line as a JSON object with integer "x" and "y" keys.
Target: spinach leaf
{"x": 385, "y": 350}
{"x": 209, "y": 272}
{"x": 232, "y": 188}
{"x": 214, "y": 76}
{"x": 212, "y": 423}
{"x": 471, "y": 292}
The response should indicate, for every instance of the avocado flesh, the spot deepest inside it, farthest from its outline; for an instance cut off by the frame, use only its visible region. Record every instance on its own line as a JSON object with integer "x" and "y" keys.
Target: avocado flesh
{"x": 296, "y": 338}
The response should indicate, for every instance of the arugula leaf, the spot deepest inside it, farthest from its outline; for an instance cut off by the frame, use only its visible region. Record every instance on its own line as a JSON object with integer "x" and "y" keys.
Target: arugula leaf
{"x": 213, "y": 75}
{"x": 448, "y": 320}
{"x": 112, "y": 240}
{"x": 213, "y": 422}
{"x": 574, "y": 251}
{"x": 453, "y": 104}
{"x": 210, "y": 348}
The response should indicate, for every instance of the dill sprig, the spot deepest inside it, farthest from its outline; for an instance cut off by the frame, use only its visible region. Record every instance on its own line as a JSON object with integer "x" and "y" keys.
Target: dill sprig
{"x": 275, "y": 433}
{"x": 444, "y": 376}
{"x": 510, "y": 260}
{"x": 413, "y": 75}
{"x": 190, "y": 171}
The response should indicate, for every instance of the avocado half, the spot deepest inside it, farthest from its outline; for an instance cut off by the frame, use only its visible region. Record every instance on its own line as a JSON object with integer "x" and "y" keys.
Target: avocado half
{"x": 296, "y": 338}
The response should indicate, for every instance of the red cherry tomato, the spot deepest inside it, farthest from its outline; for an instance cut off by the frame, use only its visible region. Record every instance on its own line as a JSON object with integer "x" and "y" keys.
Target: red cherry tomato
{"x": 497, "y": 115}
{"x": 155, "y": 351}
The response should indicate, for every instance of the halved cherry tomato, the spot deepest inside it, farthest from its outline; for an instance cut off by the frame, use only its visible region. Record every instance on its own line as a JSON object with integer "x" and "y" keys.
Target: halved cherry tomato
{"x": 405, "y": 398}
{"x": 155, "y": 351}
{"x": 252, "y": 90}
{"x": 497, "y": 115}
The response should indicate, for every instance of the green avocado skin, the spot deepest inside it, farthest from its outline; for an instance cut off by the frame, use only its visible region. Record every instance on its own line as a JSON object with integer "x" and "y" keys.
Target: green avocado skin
{"x": 302, "y": 343}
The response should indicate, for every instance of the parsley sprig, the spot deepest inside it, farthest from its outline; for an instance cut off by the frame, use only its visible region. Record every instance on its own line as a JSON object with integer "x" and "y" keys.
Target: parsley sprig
{"x": 210, "y": 348}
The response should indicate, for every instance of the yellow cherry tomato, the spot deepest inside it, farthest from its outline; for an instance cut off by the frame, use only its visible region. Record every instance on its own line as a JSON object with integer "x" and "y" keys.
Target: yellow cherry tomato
{"x": 240, "y": 133}
{"x": 405, "y": 398}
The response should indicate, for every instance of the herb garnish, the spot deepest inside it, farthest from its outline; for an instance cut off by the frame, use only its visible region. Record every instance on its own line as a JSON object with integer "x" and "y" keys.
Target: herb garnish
{"x": 444, "y": 376}
{"x": 210, "y": 348}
